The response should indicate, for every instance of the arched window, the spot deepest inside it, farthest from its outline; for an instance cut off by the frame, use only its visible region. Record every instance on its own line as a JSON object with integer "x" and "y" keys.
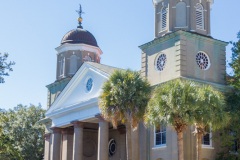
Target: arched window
{"x": 164, "y": 13}
{"x": 62, "y": 66}
{"x": 199, "y": 16}
{"x": 73, "y": 64}
{"x": 181, "y": 14}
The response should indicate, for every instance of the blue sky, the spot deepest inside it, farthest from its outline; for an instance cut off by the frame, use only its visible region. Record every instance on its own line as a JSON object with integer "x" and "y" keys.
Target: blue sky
{"x": 31, "y": 30}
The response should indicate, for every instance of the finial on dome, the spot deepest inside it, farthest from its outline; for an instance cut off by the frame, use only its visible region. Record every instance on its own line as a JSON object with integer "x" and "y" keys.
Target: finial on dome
{"x": 80, "y": 12}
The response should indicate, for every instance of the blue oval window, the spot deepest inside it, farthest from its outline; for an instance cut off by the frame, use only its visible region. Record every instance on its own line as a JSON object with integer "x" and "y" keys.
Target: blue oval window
{"x": 89, "y": 84}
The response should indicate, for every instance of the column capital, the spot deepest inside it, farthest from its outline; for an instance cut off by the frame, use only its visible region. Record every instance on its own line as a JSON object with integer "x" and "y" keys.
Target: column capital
{"x": 77, "y": 124}
{"x": 100, "y": 117}
{"x": 56, "y": 129}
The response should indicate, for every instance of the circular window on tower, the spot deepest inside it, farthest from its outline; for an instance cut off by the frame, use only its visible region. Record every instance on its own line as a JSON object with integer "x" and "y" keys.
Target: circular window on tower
{"x": 89, "y": 84}
{"x": 112, "y": 147}
{"x": 203, "y": 60}
{"x": 160, "y": 62}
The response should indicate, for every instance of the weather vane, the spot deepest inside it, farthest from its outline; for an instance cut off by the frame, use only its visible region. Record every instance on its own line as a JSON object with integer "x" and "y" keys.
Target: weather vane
{"x": 80, "y": 12}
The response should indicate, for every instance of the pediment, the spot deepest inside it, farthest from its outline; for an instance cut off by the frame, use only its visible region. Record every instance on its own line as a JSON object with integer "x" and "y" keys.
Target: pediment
{"x": 79, "y": 93}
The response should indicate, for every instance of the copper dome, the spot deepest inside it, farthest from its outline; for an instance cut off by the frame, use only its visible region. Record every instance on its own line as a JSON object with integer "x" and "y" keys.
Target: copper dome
{"x": 79, "y": 35}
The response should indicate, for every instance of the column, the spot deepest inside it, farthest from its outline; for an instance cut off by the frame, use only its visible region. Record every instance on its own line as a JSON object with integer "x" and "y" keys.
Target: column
{"x": 78, "y": 140}
{"x": 122, "y": 145}
{"x": 56, "y": 143}
{"x": 135, "y": 143}
{"x": 47, "y": 146}
{"x": 103, "y": 135}
{"x": 67, "y": 144}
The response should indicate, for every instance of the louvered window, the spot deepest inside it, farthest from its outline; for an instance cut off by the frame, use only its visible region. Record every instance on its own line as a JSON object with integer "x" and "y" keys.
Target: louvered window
{"x": 62, "y": 66}
{"x": 73, "y": 64}
{"x": 164, "y": 19}
{"x": 199, "y": 16}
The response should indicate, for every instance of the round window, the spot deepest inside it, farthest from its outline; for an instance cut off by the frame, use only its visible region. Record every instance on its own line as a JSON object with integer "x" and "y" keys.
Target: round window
{"x": 203, "y": 60}
{"x": 112, "y": 147}
{"x": 89, "y": 84}
{"x": 161, "y": 62}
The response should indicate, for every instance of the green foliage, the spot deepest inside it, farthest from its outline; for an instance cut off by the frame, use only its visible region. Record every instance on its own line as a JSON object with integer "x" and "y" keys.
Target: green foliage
{"x": 21, "y": 135}
{"x": 211, "y": 108}
{"x": 5, "y": 66}
{"x": 124, "y": 98}
{"x": 235, "y": 64}
{"x": 181, "y": 103}
{"x": 173, "y": 102}
{"x": 230, "y": 135}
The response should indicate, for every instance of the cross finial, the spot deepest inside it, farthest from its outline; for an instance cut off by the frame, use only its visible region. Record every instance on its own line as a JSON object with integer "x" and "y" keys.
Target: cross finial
{"x": 80, "y": 12}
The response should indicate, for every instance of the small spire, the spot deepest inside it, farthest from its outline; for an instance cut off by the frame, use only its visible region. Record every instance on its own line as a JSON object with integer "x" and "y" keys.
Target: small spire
{"x": 80, "y": 12}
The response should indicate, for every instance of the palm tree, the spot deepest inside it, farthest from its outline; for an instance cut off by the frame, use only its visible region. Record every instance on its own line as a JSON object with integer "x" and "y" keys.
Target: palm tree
{"x": 210, "y": 112}
{"x": 172, "y": 103}
{"x": 124, "y": 99}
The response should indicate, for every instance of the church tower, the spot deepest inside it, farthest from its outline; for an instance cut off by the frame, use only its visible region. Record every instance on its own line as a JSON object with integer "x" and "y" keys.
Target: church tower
{"x": 183, "y": 47}
{"x": 77, "y": 46}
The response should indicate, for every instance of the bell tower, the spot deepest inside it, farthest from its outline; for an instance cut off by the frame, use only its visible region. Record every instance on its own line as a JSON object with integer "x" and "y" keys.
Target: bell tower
{"x": 187, "y": 15}
{"x": 182, "y": 46}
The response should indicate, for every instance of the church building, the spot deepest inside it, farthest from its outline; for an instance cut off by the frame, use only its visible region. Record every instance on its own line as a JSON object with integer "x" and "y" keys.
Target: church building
{"x": 182, "y": 48}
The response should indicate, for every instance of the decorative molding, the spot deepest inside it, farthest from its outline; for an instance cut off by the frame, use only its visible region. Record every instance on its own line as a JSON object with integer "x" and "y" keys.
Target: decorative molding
{"x": 81, "y": 47}
{"x": 178, "y": 33}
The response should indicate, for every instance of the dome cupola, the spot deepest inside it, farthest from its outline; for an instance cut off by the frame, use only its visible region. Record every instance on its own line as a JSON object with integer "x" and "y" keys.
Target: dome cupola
{"x": 79, "y": 35}
{"x": 77, "y": 46}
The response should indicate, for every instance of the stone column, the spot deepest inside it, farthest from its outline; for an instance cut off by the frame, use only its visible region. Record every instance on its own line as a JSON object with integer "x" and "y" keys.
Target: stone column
{"x": 47, "y": 146}
{"x": 135, "y": 144}
{"x": 78, "y": 140}
{"x": 103, "y": 137}
{"x": 56, "y": 143}
{"x": 67, "y": 144}
{"x": 122, "y": 145}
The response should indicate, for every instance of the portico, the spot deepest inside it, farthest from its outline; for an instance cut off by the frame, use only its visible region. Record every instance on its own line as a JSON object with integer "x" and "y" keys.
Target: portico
{"x": 76, "y": 130}
{"x": 79, "y": 142}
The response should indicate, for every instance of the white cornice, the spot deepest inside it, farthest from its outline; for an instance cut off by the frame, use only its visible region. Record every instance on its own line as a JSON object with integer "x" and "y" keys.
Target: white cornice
{"x": 82, "y": 47}
{"x": 73, "y": 108}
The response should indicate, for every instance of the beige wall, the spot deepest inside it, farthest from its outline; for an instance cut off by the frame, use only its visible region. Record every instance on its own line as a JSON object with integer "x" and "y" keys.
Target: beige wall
{"x": 170, "y": 151}
{"x": 181, "y": 49}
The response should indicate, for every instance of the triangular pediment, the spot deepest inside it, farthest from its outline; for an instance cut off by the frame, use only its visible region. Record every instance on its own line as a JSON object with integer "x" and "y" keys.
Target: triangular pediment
{"x": 82, "y": 91}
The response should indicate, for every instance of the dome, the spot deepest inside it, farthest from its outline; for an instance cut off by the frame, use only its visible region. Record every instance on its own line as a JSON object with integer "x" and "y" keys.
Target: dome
{"x": 79, "y": 35}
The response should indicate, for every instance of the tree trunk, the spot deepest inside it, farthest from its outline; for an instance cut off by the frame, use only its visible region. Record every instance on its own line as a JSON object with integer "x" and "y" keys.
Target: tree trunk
{"x": 180, "y": 145}
{"x": 199, "y": 147}
{"x": 129, "y": 141}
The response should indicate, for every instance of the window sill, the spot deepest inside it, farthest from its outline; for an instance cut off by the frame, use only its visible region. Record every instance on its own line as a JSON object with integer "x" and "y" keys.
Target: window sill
{"x": 160, "y": 147}
{"x": 207, "y": 147}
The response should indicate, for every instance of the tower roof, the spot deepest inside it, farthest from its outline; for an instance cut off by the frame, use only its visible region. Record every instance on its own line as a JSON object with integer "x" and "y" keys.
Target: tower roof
{"x": 79, "y": 35}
